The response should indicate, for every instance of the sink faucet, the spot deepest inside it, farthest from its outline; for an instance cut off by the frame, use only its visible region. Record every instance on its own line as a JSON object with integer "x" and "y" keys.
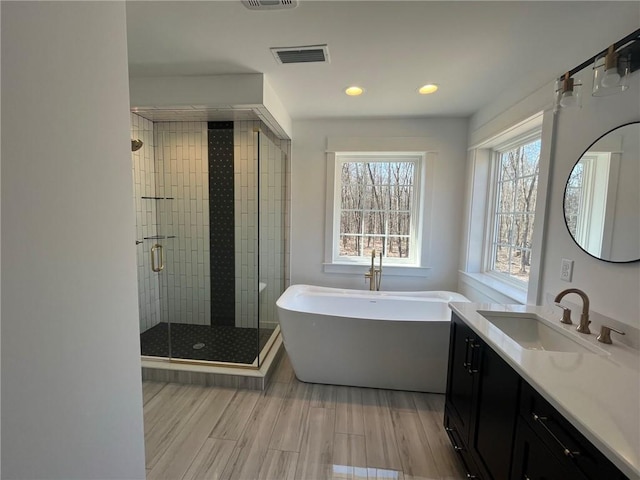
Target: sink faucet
{"x": 583, "y": 327}
{"x": 374, "y": 275}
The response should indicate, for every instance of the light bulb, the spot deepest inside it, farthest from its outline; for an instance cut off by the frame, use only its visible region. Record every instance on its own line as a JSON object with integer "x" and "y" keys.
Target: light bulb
{"x": 354, "y": 91}
{"x": 611, "y": 78}
{"x": 427, "y": 89}
{"x": 568, "y": 99}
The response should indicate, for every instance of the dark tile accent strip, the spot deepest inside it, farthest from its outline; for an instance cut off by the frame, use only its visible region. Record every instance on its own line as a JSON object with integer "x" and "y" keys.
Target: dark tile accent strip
{"x": 220, "y": 125}
{"x": 222, "y": 223}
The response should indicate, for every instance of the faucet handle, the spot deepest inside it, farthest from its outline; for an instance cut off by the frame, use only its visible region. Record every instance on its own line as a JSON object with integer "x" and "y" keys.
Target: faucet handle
{"x": 605, "y": 334}
{"x": 566, "y": 314}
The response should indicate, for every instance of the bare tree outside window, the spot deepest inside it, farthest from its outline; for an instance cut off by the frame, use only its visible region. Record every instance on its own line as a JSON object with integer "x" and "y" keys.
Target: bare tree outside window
{"x": 573, "y": 199}
{"x": 375, "y": 208}
{"x": 515, "y": 210}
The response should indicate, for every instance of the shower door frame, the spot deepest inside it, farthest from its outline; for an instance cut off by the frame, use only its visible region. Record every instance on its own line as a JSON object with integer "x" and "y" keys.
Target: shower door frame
{"x": 164, "y": 235}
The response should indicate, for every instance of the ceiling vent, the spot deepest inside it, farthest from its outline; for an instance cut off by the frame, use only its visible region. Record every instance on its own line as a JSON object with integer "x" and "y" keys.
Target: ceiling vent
{"x": 307, "y": 54}
{"x": 269, "y": 4}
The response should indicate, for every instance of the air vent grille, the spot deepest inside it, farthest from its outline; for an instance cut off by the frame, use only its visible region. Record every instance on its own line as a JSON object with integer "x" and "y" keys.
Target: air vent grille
{"x": 307, "y": 54}
{"x": 269, "y": 4}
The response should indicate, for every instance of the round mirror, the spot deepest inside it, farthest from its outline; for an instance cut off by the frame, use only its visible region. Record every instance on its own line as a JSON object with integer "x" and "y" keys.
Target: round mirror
{"x": 602, "y": 197}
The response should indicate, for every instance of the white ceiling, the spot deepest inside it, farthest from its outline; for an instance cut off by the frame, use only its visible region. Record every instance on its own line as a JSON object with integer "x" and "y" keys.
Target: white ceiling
{"x": 473, "y": 50}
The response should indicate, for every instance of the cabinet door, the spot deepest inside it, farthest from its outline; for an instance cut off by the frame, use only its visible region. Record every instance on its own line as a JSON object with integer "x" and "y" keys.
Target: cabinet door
{"x": 532, "y": 460}
{"x": 496, "y": 400}
{"x": 560, "y": 436}
{"x": 459, "y": 379}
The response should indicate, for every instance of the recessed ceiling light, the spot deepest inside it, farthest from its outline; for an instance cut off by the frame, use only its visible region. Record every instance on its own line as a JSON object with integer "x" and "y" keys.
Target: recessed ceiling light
{"x": 353, "y": 91}
{"x": 427, "y": 89}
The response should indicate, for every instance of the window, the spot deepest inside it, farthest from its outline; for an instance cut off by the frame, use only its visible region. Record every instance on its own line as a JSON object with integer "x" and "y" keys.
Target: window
{"x": 500, "y": 263}
{"x": 511, "y": 222}
{"x": 587, "y": 192}
{"x": 574, "y": 199}
{"x": 376, "y": 205}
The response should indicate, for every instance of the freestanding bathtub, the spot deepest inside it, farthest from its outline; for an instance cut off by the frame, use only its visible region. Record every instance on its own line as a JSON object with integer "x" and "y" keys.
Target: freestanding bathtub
{"x": 394, "y": 340}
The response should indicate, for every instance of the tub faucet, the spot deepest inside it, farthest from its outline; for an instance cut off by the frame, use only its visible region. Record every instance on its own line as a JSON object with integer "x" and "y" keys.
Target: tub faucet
{"x": 583, "y": 327}
{"x": 374, "y": 275}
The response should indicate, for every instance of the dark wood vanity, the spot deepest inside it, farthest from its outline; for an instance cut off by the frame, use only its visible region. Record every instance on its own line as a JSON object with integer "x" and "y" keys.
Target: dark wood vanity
{"x": 503, "y": 428}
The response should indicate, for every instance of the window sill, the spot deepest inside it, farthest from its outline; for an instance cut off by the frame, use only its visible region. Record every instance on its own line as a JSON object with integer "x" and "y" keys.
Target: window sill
{"x": 517, "y": 295}
{"x": 389, "y": 270}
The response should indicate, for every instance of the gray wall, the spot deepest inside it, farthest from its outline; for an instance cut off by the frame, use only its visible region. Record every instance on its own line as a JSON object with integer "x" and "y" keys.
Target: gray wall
{"x": 71, "y": 388}
{"x": 308, "y": 194}
{"x": 612, "y": 288}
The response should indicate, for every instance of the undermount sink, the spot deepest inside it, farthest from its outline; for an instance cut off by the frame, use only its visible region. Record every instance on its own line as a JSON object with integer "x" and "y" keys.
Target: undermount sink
{"x": 532, "y": 333}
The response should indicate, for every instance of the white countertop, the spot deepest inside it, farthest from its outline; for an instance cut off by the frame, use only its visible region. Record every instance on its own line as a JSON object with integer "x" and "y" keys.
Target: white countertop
{"x": 598, "y": 393}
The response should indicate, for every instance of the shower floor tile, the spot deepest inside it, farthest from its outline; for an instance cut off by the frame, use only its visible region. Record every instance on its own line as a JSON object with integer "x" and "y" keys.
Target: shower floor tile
{"x": 221, "y": 343}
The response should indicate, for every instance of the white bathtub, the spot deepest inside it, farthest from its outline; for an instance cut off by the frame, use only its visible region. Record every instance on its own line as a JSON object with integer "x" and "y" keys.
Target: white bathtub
{"x": 394, "y": 340}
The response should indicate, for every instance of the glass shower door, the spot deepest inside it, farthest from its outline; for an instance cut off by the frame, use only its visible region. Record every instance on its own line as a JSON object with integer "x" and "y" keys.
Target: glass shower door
{"x": 212, "y": 252}
{"x": 163, "y": 237}
{"x": 272, "y": 214}
{"x": 183, "y": 239}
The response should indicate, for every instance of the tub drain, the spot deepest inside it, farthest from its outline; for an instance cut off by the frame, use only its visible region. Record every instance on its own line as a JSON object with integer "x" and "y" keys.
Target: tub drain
{"x": 198, "y": 346}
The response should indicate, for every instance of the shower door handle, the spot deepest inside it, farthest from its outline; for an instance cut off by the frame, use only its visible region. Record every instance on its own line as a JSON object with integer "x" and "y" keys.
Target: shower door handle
{"x": 160, "y": 254}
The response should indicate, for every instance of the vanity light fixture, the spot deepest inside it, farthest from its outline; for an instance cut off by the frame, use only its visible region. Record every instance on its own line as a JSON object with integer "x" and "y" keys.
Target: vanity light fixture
{"x": 568, "y": 92}
{"x": 611, "y": 69}
{"x": 354, "y": 91}
{"x": 611, "y": 72}
{"x": 427, "y": 89}
{"x": 611, "y": 78}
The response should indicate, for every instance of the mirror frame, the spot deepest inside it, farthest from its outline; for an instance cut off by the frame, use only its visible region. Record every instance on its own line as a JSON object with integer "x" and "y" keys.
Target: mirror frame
{"x": 564, "y": 195}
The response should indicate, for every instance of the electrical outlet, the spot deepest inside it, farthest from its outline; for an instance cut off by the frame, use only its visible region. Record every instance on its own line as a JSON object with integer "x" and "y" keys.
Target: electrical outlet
{"x": 566, "y": 270}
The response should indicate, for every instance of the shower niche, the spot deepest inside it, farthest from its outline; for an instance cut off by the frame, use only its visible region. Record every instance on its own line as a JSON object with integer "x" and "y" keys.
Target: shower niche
{"x": 210, "y": 202}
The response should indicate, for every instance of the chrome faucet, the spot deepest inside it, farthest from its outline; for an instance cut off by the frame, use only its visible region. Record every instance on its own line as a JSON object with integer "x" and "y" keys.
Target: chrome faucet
{"x": 374, "y": 275}
{"x": 583, "y": 327}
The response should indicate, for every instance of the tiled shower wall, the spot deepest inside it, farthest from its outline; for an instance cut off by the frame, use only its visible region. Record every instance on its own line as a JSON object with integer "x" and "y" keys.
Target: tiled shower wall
{"x": 246, "y": 223}
{"x": 273, "y": 213}
{"x": 181, "y": 150}
{"x": 144, "y": 175}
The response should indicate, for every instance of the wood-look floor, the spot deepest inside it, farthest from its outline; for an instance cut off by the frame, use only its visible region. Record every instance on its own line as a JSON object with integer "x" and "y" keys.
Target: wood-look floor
{"x": 295, "y": 430}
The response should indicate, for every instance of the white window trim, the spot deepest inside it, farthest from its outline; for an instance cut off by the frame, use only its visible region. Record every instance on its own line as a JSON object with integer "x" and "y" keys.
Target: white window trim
{"x": 494, "y": 288}
{"x": 496, "y": 277}
{"x": 424, "y": 205}
{"x": 476, "y": 210}
{"x": 596, "y": 189}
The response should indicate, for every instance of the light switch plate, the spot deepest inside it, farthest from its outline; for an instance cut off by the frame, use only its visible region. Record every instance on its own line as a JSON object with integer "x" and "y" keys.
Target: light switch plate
{"x": 566, "y": 270}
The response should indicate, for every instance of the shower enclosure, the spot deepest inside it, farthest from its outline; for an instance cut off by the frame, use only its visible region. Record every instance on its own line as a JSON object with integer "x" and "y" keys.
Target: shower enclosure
{"x": 210, "y": 211}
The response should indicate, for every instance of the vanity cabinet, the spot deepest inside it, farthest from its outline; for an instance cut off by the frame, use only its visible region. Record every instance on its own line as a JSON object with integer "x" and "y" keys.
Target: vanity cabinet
{"x": 481, "y": 404}
{"x": 502, "y": 428}
{"x": 459, "y": 393}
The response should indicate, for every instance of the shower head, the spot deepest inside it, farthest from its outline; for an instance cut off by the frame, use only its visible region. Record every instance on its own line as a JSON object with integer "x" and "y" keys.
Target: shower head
{"x": 136, "y": 145}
